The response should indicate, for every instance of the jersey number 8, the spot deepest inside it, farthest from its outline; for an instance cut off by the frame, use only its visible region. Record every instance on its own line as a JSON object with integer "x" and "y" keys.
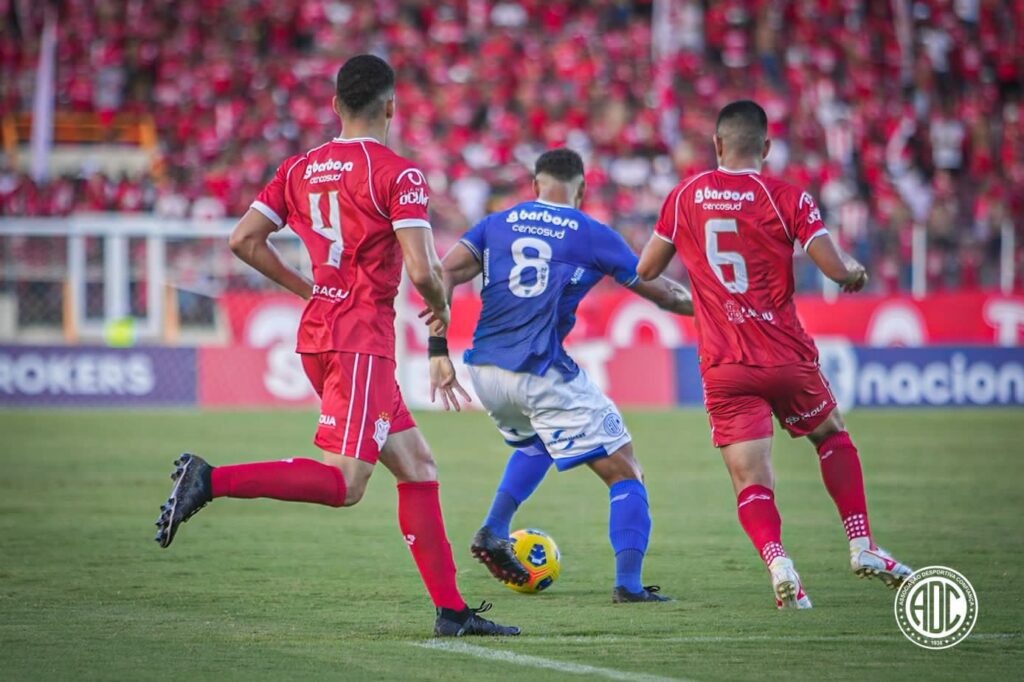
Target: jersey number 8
{"x": 523, "y": 262}
{"x": 717, "y": 259}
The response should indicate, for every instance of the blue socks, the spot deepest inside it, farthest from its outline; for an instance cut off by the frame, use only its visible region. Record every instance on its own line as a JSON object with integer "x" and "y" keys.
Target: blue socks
{"x": 629, "y": 525}
{"x": 629, "y": 529}
{"x": 523, "y": 474}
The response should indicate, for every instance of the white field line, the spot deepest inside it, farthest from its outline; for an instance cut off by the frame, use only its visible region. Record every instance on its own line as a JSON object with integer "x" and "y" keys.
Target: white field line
{"x": 713, "y": 639}
{"x": 505, "y": 656}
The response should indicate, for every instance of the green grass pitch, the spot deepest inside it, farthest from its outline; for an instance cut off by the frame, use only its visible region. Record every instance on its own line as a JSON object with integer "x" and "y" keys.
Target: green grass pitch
{"x": 255, "y": 590}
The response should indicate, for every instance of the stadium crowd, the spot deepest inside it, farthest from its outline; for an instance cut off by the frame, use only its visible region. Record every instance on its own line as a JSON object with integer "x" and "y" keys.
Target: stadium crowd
{"x": 892, "y": 120}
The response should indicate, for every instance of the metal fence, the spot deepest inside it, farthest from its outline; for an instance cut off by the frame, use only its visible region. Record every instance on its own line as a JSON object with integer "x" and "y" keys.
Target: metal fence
{"x": 82, "y": 278}
{"x": 89, "y": 278}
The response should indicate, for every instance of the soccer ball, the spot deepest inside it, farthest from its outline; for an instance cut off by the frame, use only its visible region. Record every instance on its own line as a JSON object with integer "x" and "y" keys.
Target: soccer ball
{"x": 539, "y": 554}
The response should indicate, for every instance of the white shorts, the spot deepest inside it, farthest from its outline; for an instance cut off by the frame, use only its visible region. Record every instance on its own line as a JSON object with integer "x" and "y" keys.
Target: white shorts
{"x": 573, "y": 420}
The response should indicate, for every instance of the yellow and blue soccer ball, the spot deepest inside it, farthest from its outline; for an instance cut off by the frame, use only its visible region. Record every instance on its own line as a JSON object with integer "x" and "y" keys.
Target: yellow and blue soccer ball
{"x": 539, "y": 554}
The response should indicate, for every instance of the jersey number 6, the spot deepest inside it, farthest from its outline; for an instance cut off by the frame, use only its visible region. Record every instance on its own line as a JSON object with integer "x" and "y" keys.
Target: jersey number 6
{"x": 523, "y": 262}
{"x": 717, "y": 259}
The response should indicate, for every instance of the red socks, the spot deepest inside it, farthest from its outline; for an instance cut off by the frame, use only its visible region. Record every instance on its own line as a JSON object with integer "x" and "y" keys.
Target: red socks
{"x": 294, "y": 480}
{"x": 419, "y": 517}
{"x": 841, "y": 471}
{"x": 760, "y": 519}
{"x": 844, "y": 480}
{"x": 306, "y": 480}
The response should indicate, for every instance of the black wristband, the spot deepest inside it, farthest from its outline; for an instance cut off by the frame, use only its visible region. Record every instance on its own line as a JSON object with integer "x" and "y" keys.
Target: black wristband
{"x": 437, "y": 346}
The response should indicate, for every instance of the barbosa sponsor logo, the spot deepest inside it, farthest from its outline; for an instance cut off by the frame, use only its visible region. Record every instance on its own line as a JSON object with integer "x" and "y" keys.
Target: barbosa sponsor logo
{"x": 34, "y": 374}
{"x": 707, "y": 194}
{"x": 956, "y": 379}
{"x": 327, "y": 166}
{"x": 544, "y": 216}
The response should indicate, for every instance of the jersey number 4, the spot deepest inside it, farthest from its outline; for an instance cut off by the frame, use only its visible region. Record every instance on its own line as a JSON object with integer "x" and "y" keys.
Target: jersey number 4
{"x": 332, "y": 229}
{"x": 540, "y": 264}
{"x": 712, "y": 228}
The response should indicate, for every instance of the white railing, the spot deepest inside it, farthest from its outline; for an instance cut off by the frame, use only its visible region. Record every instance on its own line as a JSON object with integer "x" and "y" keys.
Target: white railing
{"x": 121, "y": 266}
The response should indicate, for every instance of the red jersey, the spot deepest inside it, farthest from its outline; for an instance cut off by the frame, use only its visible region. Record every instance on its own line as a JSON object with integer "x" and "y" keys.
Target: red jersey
{"x": 346, "y": 199}
{"x": 735, "y": 231}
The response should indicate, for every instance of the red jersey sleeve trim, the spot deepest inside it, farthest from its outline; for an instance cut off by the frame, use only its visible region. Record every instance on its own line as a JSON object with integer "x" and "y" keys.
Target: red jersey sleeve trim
{"x": 410, "y": 222}
{"x": 823, "y": 231}
{"x": 268, "y": 212}
{"x": 664, "y": 238}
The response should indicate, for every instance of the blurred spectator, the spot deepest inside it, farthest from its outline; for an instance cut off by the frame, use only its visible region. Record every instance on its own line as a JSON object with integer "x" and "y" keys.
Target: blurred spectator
{"x": 893, "y": 120}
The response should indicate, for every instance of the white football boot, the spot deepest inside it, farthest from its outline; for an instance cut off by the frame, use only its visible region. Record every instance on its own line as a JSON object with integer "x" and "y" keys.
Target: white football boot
{"x": 789, "y": 592}
{"x": 874, "y": 562}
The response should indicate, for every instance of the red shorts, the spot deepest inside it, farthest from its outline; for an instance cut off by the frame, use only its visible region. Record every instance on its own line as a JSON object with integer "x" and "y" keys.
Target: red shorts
{"x": 741, "y": 400}
{"x": 361, "y": 403}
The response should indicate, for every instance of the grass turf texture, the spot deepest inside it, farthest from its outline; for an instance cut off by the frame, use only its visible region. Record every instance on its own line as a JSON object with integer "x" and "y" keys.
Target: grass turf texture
{"x": 270, "y": 590}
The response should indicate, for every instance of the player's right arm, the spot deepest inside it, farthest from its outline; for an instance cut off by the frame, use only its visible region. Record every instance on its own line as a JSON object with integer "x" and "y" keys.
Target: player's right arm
{"x": 667, "y": 294}
{"x": 460, "y": 266}
{"x": 250, "y": 240}
{"x": 615, "y": 258}
{"x": 660, "y": 248}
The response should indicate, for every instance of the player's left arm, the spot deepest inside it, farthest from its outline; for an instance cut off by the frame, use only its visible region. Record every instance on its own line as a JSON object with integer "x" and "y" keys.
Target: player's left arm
{"x": 458, "y": 267}
{"x": 810, "y": 231}
{"x": 407, "y": 194}
{"x": 250, "y": 242}
{"x": 837, "y": 265}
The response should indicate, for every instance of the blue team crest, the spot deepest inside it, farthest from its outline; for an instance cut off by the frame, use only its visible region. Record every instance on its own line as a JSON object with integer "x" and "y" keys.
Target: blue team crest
{"x": 613, "y": 425}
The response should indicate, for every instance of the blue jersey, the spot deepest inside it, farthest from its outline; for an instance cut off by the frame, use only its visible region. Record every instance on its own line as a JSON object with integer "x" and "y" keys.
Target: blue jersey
{"x": 539, "y": 261}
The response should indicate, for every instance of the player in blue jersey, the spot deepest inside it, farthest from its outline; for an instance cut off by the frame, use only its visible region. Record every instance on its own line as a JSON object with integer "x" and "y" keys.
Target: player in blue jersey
{"x": 538, "y": 260}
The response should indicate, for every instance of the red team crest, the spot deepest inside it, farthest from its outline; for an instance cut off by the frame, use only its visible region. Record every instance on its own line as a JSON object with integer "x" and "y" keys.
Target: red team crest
{"x": 345, "y": 199}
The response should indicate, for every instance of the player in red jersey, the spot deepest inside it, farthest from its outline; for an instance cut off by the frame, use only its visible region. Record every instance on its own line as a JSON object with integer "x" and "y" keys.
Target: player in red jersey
{"x": 735, "y": 232}
{"x": 361, "y": 211}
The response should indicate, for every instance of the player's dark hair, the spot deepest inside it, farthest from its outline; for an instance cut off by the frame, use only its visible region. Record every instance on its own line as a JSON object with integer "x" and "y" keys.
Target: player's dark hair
{"x": 365, "y": 82}
{"x": 746, "y": 125}
{"x": 561, "y": 164}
